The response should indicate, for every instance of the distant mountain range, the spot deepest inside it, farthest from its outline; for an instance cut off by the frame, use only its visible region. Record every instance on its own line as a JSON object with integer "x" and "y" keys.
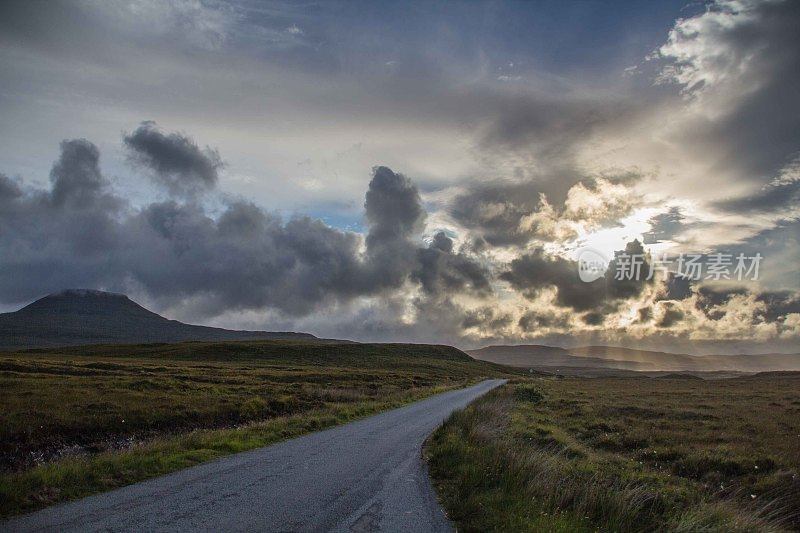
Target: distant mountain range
{"x": 75, "y": 317}
{"x": 610, "y": 357}
{"x": 81, "y": 317}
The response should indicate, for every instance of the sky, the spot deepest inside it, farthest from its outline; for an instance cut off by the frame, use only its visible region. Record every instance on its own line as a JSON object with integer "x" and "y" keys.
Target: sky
{"x": 409, "y": 171}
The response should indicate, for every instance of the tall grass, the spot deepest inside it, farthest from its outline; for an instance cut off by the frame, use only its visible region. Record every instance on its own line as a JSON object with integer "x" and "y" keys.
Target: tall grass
{"x": 76, "y": 421}
{"x": 76, "y": 477}
{"x": 493, "y": 477}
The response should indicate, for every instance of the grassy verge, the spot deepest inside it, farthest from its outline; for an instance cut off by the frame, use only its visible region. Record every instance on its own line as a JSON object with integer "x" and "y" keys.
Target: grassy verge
{"x": 622, "y": 455}
{"x": 82, "y": 421}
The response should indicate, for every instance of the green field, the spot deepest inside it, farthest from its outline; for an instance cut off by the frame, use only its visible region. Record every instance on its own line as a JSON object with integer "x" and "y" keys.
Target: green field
{"x": 81, "y": 420}
{"x": 625, "y": 454}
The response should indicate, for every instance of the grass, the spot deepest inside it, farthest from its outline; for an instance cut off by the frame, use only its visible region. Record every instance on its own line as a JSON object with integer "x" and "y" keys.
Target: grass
{"x": 77, "y": 421}
{"x": 624, "y": 454}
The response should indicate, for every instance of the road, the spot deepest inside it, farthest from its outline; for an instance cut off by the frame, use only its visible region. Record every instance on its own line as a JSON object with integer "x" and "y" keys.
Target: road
{"x": 363, "y": 476}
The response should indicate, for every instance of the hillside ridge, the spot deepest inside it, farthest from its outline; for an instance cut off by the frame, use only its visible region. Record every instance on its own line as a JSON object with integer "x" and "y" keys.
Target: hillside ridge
{"x": 88, "y": 316}
{"x": 620, "y": 358}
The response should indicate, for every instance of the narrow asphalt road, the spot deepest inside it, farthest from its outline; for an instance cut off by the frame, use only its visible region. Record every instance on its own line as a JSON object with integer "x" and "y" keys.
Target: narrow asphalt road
{"x": 364, "y": 476}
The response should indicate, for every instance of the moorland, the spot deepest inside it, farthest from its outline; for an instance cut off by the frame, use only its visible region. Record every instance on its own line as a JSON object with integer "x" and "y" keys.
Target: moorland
{"x": 676, "y": 453}
{"x": 80, "y": 420}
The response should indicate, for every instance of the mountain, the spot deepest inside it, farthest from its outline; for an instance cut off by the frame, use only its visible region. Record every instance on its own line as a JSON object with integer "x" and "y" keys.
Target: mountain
{"x": 645, "y": 357}
{"x": 75, "y": 317}
{"x": 700, "y": 363}
{"x": 537, "y": 355}
{"x": 613, "y": 357}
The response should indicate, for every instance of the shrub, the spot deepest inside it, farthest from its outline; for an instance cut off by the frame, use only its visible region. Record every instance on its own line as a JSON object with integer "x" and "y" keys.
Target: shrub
{"x": 283, "y": 405}
{"x": 702, "y": 465}
{"x": 252, "y": 408}
{"x": 528, "y": 393}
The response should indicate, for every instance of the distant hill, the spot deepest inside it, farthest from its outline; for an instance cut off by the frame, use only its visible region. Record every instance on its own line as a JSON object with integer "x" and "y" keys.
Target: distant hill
{"x": 644, "y": 357}
{"x": 679, "y": 375}
{"x": 75, "y": 317}
{"x": 612, "y": 357}
{"x": 532, "y": 355}
{"x": 316, "y": 351}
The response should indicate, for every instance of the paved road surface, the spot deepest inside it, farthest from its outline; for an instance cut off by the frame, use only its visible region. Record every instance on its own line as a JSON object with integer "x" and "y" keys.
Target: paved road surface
{"x": 364, "y": 476}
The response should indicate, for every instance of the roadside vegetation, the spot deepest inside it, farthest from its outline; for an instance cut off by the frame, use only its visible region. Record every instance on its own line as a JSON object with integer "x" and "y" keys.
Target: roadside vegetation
{"x": 76, "y": 421}
{"x": 624, "y": 454}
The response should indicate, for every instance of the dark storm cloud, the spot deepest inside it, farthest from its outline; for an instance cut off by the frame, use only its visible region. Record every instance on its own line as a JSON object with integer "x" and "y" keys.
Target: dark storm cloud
{"x": 677, "y": 287}
{"x": 534, "y": 271}
{"x": 9, "y": 189}
{"x": 779, "y": 303}
{"x": 710, "y": 299}
{"x": 76, "y": 176}
{"x": 393, "y": 208}
{"x": 530, "y": 321}
{"x": 245, "y": 259}
{"x": 627, "y": 288}
{"x": 486, "y": 317}
{"x": 665, "y": 226}
{"x": 442, "y": 242}
{"x": 593, "y": 318}
{"x": 175, "y": 160}
{"x": 772, "y": 306}
{"x": 442, "y": 271}
{"x": 80, "y": 234}
{"x": 395, "y": 216}
{"x": 495, "y": 211}
{"x": 63, "y": 237}
{"x": 644, "y": 314}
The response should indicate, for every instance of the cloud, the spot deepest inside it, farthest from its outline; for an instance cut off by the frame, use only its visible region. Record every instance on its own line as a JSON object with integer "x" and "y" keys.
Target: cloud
{"x": 496, "y": 212}
{"x": 780, "y": 196}
{"x": 670, "y": 314}
{"x": 516, "y": 214}
{"x": 79, "y": 234}
{"x": 543, "y": 320}
{"x": 387, "y": 284}
{"x": 536, "y": 270}
{"x": 9, "y": 189}
{"x": 666, "y": 226}
{"x": 600, "y": 201}
{"x": 179, "y": 255}
{"x": 393, "y": 208}
{"x": 174, "y": 160}
{"x": 737, "y": 65}
{"x": 76, "y": 175}
{"x": 677, "y": 287}
{"x": 62, "y": 237}
{"x": 780, "y": 304}
{"x": 539, "y": 138}
{"x": 486, "y": 318}
{"x": 441, "y": 271}
{"x": 514, "y": 175}
{"x": 245, "y": 259}
{"x": 534, "y": 273}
